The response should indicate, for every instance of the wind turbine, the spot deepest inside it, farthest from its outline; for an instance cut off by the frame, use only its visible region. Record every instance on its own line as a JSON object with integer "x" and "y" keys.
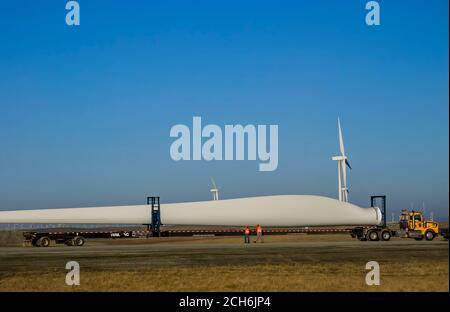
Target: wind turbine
{"x": 343, "y": 163}
{"x": 214, "y": 190}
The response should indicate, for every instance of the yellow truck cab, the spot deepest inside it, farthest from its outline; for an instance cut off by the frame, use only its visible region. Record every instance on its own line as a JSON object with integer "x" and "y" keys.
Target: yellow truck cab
{"x": 413, "y": 225}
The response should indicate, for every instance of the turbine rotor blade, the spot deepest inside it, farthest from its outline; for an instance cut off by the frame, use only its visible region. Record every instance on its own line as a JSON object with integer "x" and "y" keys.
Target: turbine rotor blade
{"x": 348, "y": 164}
{"x": 341, "y": 141}
{"x": 213, "y": 183}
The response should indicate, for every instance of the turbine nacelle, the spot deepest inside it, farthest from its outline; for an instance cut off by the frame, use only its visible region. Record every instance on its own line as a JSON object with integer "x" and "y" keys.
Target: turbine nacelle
{"x": 214, "y": 190}
{"x": 339, "y": 157}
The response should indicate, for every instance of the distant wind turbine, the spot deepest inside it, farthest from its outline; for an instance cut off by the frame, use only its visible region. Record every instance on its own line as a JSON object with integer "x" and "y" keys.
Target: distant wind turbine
{"x": 214, "y": 190}
{"x": 343, "y": 163}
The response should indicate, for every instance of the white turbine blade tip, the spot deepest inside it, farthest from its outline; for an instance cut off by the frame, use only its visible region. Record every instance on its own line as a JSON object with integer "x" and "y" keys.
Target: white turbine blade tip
{"x": 341, "y": 141}
{"x": 213, "y": 183}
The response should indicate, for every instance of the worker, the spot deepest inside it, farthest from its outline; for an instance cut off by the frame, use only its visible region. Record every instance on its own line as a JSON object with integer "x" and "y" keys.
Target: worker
{"x": 259, "y": 234}
{"x": 247, "y": 233}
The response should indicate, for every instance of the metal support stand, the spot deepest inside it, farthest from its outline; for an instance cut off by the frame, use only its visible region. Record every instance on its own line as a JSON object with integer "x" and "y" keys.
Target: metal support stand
{"x": 154, "y": 227}
{"x": 373, "y": 203}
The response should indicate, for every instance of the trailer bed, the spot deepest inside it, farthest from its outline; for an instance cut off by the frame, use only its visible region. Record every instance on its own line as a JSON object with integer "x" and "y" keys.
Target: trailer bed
{"x": 78, "y": 238}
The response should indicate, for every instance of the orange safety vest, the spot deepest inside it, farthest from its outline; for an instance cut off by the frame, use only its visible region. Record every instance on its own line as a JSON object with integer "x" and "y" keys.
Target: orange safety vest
{"x": 259, "y": 229}
{"x": 247, "y": 231}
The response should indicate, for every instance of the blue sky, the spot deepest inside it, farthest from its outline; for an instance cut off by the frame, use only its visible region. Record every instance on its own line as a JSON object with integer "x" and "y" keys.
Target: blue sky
{"x": 85, "y": 112}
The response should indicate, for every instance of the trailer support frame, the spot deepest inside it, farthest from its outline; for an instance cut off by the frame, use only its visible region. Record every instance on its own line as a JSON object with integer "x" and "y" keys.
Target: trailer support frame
{"x": 155, "y": 216}
{"x": 373, "y": 203}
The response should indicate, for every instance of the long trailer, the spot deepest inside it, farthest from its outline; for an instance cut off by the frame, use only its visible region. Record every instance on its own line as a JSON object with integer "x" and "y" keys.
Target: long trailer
{"x": 78, "y": 238}
{"x": 43, "y": 239}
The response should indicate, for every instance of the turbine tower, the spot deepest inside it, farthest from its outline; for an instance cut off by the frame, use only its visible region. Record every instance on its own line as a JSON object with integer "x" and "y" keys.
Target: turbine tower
{"x": 214, "y": 190}
{"x": 342, "y": 163}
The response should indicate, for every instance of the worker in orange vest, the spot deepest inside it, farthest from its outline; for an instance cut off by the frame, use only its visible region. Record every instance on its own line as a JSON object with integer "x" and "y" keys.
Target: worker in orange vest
{"x": 247, "y": 233}
{"x": 259, "y": 234}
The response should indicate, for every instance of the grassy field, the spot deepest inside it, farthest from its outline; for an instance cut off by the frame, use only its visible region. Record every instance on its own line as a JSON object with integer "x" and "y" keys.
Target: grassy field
{"x": 283, "y": 263}
{"x": 344, "y": 276}
{"x": 10, "y": 238}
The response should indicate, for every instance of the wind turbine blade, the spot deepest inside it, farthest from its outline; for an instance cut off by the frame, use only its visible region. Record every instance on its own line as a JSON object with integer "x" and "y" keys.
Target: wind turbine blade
{"x": 348, "y": 164}
{"x": 213, "y": 183}
{"x": 341, "y": 141}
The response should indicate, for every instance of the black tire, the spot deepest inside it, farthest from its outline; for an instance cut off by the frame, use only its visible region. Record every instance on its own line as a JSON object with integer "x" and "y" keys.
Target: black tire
{"x": 362, "y": 239}
{"x": 386, "y": 235}
{"x": 44, "y": 241}
{"x": 373, "y": 235}
{"x": 78, "y": 241}
{"x": 429, "y": 235}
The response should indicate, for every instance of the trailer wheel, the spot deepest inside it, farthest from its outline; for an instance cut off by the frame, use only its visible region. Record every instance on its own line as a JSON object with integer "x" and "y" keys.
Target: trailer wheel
{"x": 386, "y": 235}
{"x": 429, "y": 235}
{"x": 373, "y": 235}
{"x": 78, "y": 241}
{"x": 43, "y": 241}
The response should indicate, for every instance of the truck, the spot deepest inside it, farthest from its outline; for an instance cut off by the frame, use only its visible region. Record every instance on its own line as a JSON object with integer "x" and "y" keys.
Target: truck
{"x": 412, "y": 224}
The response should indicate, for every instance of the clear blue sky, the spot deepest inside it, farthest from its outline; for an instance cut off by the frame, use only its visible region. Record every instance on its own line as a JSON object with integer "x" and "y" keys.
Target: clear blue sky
{"x": 86, "y": 111}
